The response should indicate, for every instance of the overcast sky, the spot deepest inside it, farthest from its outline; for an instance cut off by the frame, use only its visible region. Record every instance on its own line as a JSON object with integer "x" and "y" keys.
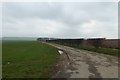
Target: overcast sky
{"x": 63, "y": 20}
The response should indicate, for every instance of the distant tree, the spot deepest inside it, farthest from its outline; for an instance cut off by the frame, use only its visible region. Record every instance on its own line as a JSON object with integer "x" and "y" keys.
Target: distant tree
{"x": 38, "y": 39}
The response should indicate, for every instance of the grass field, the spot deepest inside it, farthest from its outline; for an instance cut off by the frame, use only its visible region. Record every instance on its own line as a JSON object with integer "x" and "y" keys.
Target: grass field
{"x": 28, "y": 59}
{"x": 0, "y": 59}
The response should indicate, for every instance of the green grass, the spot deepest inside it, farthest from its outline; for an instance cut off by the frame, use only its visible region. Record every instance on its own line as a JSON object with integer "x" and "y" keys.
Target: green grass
{"x": 108, "y": 51}
{"x": 0, "y": 59}
{"x": 28, "y": 59}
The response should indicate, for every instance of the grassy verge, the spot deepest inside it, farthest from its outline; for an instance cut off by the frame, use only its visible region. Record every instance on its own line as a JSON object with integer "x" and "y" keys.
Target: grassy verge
{"x": 28, "y": 59}
{"x": 109, "y": 51}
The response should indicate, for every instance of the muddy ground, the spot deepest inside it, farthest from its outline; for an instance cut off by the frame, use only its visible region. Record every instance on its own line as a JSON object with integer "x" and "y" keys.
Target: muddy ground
{"x": 85, "y": 64}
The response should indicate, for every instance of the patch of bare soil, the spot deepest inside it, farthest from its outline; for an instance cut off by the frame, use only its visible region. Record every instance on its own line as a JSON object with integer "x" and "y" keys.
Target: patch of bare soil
{"x": 62, "y": 63}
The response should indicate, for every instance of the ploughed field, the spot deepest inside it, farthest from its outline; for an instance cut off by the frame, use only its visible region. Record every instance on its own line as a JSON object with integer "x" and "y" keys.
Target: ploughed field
{"x": 28, "y": 59}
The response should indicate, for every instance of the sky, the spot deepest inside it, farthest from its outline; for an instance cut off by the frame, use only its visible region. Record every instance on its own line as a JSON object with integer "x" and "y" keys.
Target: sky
{"x": 60, "y": 19}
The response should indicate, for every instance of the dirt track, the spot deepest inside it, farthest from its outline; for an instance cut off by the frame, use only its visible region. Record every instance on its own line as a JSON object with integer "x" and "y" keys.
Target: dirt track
{"x": 86, "y": 64}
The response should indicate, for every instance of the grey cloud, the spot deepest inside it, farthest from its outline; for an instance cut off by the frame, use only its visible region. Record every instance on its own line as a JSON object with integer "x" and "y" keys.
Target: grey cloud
{"x": 60, "y": 19}
{"x": 26, "y": 10}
